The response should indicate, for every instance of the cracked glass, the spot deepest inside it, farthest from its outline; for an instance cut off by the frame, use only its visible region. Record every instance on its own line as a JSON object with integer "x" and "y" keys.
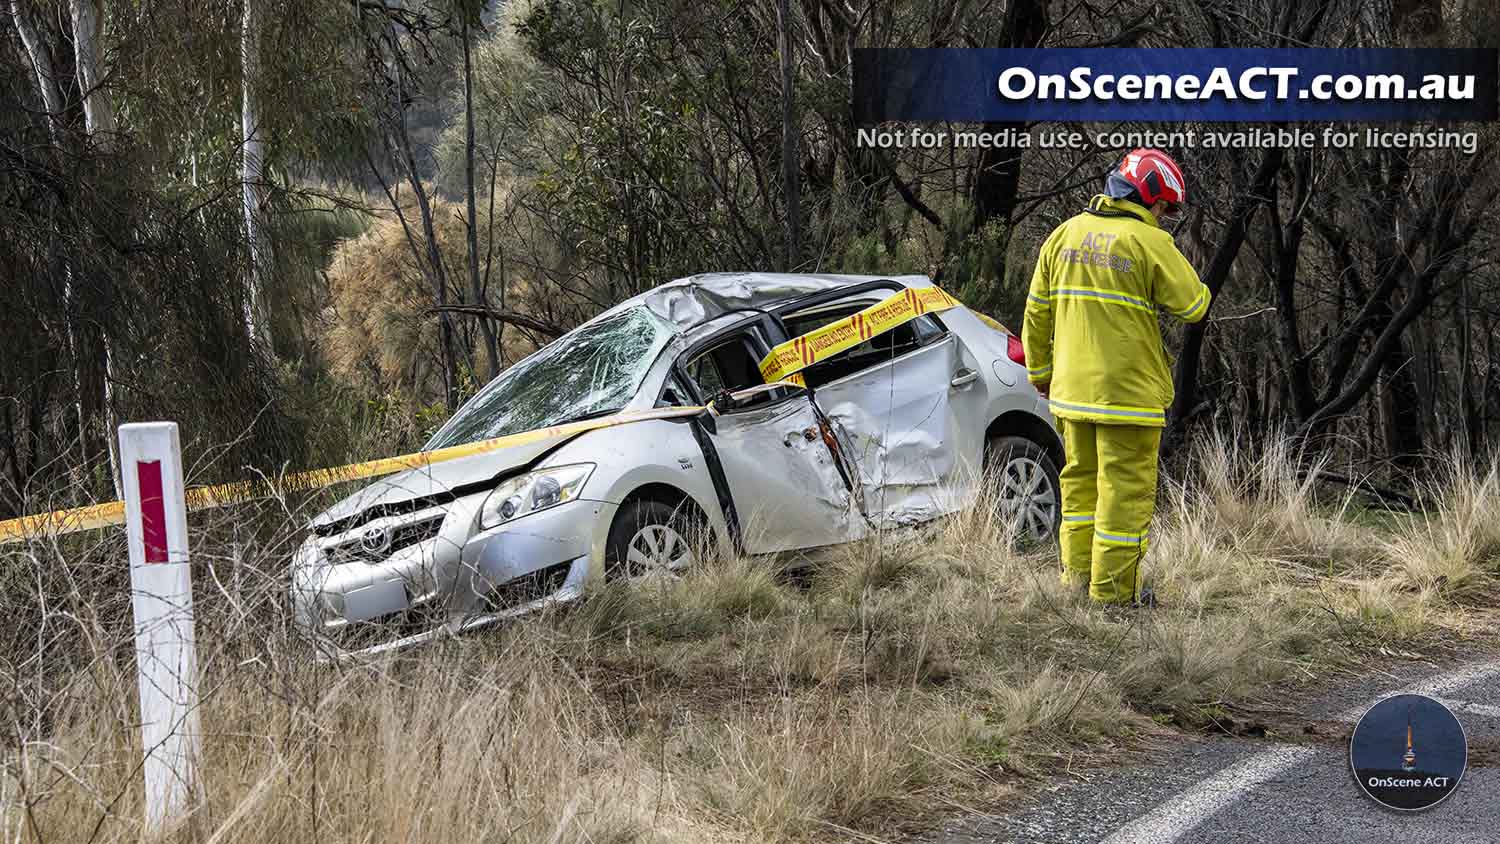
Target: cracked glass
{"x": 592, "y": 371}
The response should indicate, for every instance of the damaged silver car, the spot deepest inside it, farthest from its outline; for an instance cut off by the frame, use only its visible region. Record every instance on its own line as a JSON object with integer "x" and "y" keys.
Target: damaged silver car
{"x": 896, "y": 431}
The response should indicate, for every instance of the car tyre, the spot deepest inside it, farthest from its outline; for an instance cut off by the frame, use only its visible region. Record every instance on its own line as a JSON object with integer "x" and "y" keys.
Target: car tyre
{"x": 1026, "y": 487}
{"x": 653, "y": 538}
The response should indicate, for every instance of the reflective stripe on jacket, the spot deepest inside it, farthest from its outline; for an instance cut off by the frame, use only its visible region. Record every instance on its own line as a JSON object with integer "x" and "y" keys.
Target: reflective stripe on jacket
{"x": 1090, "y": 327}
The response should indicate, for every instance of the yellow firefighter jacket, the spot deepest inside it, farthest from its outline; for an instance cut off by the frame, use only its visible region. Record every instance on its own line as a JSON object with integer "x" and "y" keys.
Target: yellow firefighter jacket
{"x": 1090, "y": 327}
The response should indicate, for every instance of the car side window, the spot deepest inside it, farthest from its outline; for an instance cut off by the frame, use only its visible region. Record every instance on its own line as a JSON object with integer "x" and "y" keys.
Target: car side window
{"x": 904, "y": 338}
{"x": 704, "y": 371}
{"x": 674, "y": 393}
{"x": 731, "y": 365}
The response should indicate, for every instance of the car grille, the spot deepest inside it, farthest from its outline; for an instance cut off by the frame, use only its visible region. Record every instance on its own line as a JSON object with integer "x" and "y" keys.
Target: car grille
{"x": 370, "y": 514}
{"x": 401, "y": 537}
{"x": 530, "y": 587}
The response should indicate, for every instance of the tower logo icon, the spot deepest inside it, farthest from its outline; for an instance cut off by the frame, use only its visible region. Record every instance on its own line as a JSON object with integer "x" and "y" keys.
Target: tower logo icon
{"x": 1408, "y": 759}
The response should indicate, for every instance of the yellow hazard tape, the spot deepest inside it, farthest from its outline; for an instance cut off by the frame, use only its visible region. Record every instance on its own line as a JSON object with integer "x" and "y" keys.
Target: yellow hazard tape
{"x": 60, "y": 522}
{"x": 992, "y": 322}
{"x": 790, "y": 358}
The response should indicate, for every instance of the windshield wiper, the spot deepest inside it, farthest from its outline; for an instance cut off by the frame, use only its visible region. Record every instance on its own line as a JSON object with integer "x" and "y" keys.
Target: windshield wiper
{"x": 593, "y": 414}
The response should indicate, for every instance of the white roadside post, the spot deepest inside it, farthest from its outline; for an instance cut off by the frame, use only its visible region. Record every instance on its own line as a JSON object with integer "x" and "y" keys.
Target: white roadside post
{"x": 161, "y": 593}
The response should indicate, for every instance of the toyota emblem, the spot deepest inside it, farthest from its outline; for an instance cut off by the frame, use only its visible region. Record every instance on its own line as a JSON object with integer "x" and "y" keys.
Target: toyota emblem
{"x": 376, "y": 540}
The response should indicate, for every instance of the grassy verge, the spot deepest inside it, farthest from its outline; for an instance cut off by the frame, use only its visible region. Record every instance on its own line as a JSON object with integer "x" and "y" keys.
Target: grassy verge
{"x": 873, "y": 689}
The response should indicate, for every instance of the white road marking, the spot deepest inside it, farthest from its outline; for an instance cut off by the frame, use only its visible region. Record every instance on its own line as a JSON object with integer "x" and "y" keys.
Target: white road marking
{"x": 1434, "y": 686}
{"x": 1171, "y": 820}
{"x": 1465, "y": 706}
{"x": 1180, "y": 814}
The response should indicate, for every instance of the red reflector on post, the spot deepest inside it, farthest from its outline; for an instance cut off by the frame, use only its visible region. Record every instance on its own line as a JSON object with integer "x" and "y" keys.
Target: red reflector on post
{"x": 153, "y": 510}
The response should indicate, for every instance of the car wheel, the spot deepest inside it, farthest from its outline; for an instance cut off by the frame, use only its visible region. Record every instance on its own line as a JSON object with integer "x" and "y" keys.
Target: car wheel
{"x": 652, "y": 539}
{"x": 1027, "y": 489}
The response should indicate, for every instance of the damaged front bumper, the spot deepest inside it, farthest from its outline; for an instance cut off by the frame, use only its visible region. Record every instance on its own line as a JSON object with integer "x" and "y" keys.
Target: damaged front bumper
{"x": 431, "y": 572}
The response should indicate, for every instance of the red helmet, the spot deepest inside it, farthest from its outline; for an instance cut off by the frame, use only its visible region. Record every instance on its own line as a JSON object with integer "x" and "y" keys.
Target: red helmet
{"x": 1154, "y": 175}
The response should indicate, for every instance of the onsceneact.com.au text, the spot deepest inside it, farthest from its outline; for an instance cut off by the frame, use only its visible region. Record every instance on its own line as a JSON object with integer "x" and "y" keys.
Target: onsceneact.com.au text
{"x": 1252, "y": 83}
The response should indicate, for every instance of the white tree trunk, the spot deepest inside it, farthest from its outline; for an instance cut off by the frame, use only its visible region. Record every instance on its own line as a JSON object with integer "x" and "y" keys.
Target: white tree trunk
{"x": 52, "y": 101}
{"x": 98, "y": 112}
{"x": 252, "y": 173}
{"x": 99, "y": 120}
{"x": 491, "y": 343}
{"x": 41, "y": 65}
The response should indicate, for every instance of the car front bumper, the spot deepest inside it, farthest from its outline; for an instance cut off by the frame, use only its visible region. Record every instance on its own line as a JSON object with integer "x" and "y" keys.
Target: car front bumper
{"x": 457, "y": 575}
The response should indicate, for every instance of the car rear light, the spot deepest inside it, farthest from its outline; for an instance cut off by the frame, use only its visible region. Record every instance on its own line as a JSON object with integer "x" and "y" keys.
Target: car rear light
{"x": 1014, "y": 350}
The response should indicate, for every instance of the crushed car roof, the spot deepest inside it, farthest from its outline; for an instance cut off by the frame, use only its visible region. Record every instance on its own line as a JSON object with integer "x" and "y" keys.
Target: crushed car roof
{"x": 691, "y": 301}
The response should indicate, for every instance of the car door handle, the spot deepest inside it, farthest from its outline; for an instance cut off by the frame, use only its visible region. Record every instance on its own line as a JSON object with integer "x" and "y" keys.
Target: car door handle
{"x": 963, "y": 376}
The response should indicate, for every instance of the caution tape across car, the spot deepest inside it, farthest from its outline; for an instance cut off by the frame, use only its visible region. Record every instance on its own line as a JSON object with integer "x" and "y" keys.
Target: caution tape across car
{"x": 96, "y": 516}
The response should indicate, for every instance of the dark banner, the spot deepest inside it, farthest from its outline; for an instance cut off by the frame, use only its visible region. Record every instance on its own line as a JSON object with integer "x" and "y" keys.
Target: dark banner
{"x": 1003, "y": 85}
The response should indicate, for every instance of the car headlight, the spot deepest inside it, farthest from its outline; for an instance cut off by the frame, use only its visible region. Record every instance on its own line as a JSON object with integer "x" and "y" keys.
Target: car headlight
{"x": 533, "y": 491}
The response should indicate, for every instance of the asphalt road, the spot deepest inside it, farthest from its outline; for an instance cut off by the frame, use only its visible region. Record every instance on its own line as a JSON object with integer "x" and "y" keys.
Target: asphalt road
{"x": 1291, "y": 785}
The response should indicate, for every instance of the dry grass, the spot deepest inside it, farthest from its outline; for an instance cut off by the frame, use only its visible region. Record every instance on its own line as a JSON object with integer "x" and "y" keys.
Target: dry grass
{"x": 1455, "y": 552}
{"x": 861, "y": 696}
{"x": 1263, "y": 503}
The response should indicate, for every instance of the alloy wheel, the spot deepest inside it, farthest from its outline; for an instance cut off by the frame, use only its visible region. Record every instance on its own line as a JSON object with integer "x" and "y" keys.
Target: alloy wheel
{"x": 658, "y": 550}
{"x": 1027, "y": 496}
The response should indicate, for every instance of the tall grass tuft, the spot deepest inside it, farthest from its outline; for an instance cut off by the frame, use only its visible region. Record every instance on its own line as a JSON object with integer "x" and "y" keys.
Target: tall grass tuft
{"x": 1453, "y": 546}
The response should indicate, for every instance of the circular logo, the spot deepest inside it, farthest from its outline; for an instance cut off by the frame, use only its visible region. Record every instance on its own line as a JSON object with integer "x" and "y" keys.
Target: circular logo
{"x": 376, "y": 540}
{"x": 1408, "y": 752}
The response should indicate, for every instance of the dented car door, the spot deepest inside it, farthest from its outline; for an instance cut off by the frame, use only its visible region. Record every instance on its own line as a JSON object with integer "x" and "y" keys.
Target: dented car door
{"x": 787, "y": 486}
{"x": 907, "y": 404}
{"x": 899, "y": 423}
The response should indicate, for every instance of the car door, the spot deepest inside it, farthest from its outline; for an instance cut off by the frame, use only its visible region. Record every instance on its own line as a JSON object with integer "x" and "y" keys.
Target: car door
{"x": 901, "y": 402}
{"x": 787, "y": 485}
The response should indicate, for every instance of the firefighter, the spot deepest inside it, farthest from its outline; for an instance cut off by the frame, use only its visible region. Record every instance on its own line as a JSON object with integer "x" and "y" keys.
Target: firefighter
{"x": 1094, "y": 349}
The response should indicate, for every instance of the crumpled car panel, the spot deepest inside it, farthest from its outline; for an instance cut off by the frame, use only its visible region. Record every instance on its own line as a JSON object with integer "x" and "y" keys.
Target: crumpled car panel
{"x": 787, "y": 489}
{"x": 899, "y": 429}
{"x": 690, "y": 301}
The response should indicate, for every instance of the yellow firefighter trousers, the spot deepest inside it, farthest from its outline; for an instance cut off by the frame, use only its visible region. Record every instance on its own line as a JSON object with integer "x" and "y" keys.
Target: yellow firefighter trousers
{"x": 1108, "y": 495}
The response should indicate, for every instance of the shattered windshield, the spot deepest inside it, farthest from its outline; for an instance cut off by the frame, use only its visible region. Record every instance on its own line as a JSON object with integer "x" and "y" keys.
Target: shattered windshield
{"x": 590, "y": 371}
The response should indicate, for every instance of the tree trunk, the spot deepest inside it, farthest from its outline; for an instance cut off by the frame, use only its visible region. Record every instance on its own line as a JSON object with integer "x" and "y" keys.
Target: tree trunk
{"x": 791, "y": 155}
{"x": 1288, "y": 243}
{"x": 98, "y": 112}
{"x": 491, "y": 343}
{"x": 41, "y": 65}
{"x": 1472, "y": 429}
{"x": 434, "y": 260}
{"x": 52, "y": 101}
{"x": 96, "y": 354}
{"x": 252, "y": 177}
{"x": 1219, "y": 266}
{"x": 997, "y": 177}
{"x": 1381, "y": 349}
{"x": 1401, "y": 406}
{"x": 1489, "y": 393}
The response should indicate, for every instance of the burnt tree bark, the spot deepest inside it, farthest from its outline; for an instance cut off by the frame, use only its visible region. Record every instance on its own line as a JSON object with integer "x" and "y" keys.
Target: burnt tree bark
{"x": 1228, "y": 248}
{"x": 997, "y": 173}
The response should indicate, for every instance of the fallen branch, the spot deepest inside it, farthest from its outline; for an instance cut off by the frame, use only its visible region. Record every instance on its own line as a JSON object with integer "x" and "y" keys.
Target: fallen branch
{"x": 1242, "y": 316}
{"x": 1389, "y": 496}
{"x": 511, "y": 317}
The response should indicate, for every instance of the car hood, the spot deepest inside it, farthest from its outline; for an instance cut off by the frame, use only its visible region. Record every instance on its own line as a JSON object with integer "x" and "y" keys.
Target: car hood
{"x": 435, "y": 483}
